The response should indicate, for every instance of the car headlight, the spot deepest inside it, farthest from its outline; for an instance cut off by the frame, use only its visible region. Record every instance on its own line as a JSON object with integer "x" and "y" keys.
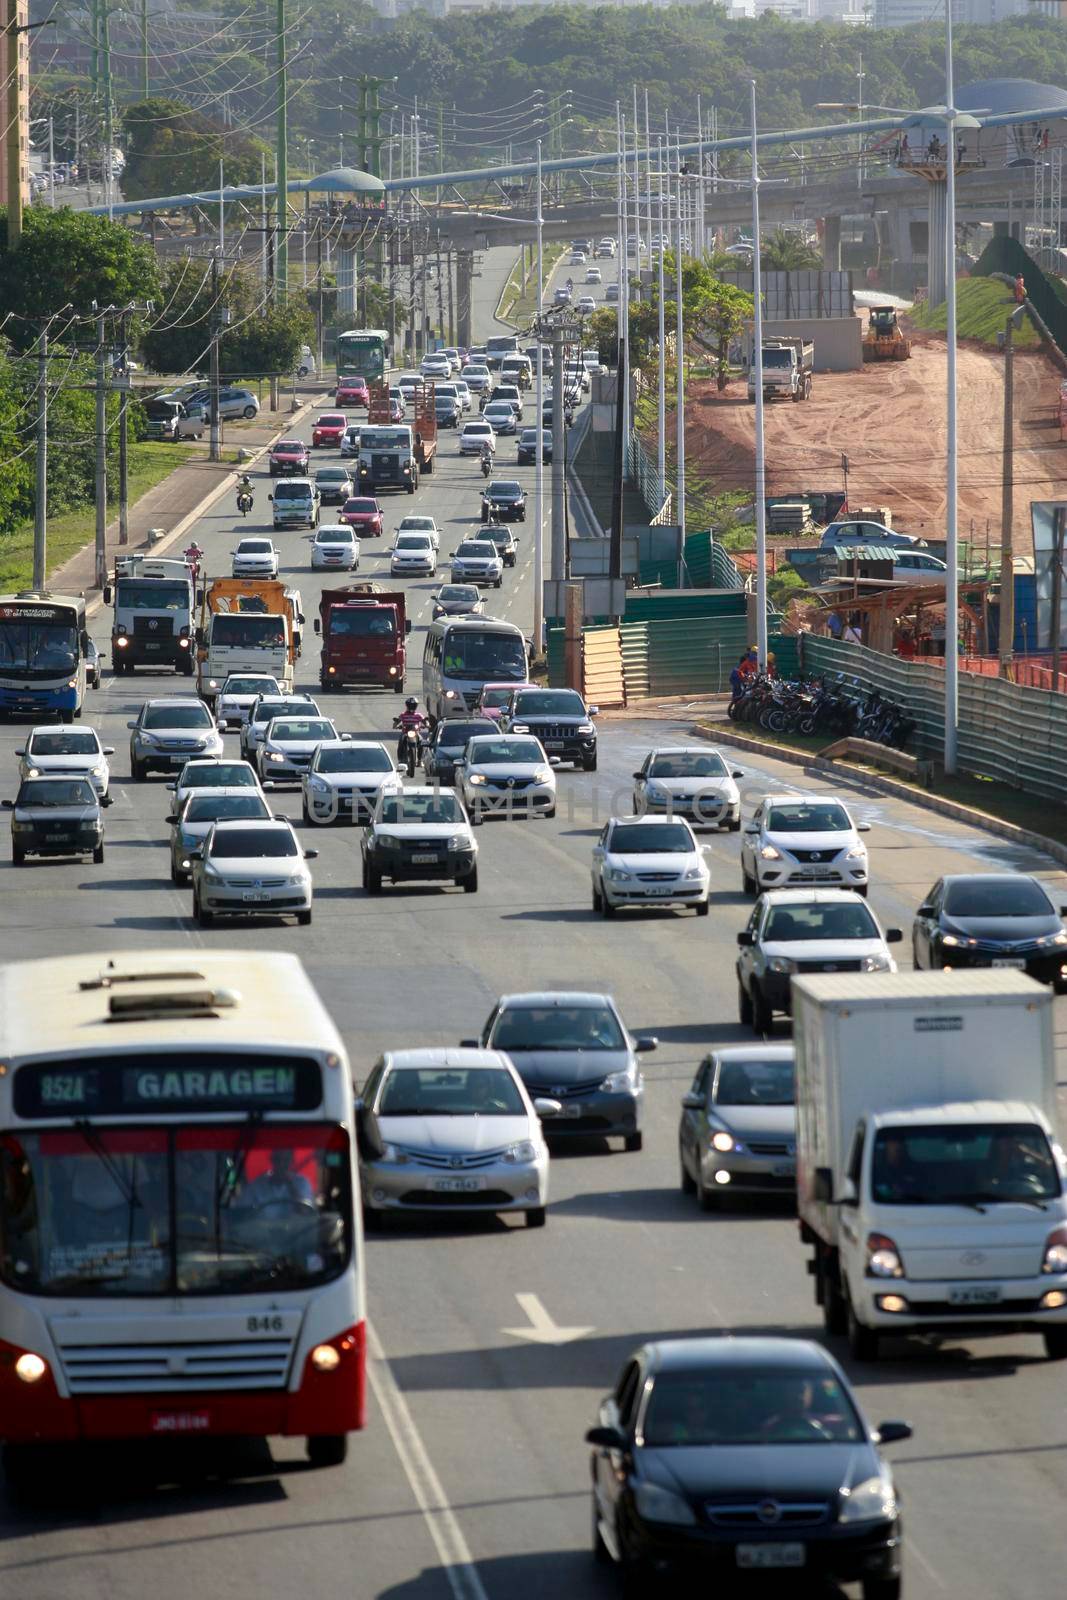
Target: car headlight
{"x": 34, "y": 772}
{"x": 275, "y": 755}
{"x": 769, "y": 853}
{"x": 477, "y": 777}
{"x": 876, "y": 964}
{"x": 585, "y": 728}
{"x": 1053, "y": 938}
{"x": 297, "y": 881}
{"x": 724, "y": 1141}
{"x": 459, "y": 841}
{"x": 147, "y": 738}
{"x": 395, "y": 1154}
{"x": 663, "y": 1505}
{"x": 98, "y": 772}
{"x": 519, "y": 727}
{"x": 656, "y": 791}
{"x": 617, "y": 875}
{"x": 623, "y": 1082}
{"x": 22, "y": 827}
{"x": 694, "y": 872}
{"x": 859, "y": 853}
{"x": 958, "y": 941}
{"x": 781, "y": 964}
{"x": 524, "y": 1151}
{"x": 543, "y": 775}
{"x": 873, "y": 1500}
{"x": 319, "y": 785}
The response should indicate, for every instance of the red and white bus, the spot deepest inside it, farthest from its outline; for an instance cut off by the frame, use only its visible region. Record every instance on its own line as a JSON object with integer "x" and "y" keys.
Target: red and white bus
{"x": 180, "y": 1240}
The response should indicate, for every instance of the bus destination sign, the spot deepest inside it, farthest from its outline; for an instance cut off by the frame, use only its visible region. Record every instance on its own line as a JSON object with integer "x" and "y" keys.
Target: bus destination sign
{"x": 164, "y": 1083}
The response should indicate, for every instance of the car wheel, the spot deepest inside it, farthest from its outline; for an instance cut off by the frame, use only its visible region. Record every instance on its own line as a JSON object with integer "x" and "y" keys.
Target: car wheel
{"x": 762, "y": 1013}
{"x": 882, "y": 1588}
{"x": 304, "y": 918}
{"x": 606, "y": 908}
{"x": 98, "y": 855}
{"x": 139, "y": 770}
{"x": 1055, "y": 1343}
{"x": 734, "y": 825}
{"x": 470, "y": 882}
{"x": 601, "y": 1553}
{"x": 744, "y": 1005}
{"x": 18, "y": 856}
{"x": 176, "y": 875}
{"x": 703, "y": 907}
{"x": 633, "y": 1143}
{"x": 707, "y": 1199}
{"x": 685, "y": 1177}
{"x": 204, "y": 918}
{"x": 861, "y": 889}
{"x": 748, "y": 882}
{"x": 589, "y": 763}
{"x": 372, "y": 880}
{"x": 598, "y": 902}
{"x": 536, "y": 1217}
{"x": 834, "y": 1316}
{"x": 248, "y": 413}
{"x": 862, "y": 1342}
{"x": 327, "y": 1449}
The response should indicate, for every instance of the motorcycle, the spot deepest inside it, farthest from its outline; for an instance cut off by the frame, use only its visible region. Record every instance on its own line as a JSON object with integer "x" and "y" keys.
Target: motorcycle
{"x": 192, "y": 557}
{"x": 409, "y": 747}
{"x": 487, "y": 466}
{"x": 244, "y": 501}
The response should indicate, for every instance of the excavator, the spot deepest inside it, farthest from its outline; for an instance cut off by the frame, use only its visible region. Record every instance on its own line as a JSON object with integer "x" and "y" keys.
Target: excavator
{"x": 883, "y": 340}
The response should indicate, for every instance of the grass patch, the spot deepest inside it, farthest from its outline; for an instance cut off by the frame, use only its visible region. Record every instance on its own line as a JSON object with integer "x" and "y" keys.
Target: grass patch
{"x": 150, "y": 463}
{"x": 982, "y": 308}
{"x": 524, "y": 304}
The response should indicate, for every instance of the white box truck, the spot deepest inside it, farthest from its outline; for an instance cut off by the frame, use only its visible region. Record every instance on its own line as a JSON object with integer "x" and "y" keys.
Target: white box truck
{"x": 929, "y": 1174}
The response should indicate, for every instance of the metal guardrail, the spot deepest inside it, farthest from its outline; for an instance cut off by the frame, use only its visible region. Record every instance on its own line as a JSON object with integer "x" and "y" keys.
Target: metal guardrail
{"x": 651, "y": 485}
{"x": 1006, "y": 731}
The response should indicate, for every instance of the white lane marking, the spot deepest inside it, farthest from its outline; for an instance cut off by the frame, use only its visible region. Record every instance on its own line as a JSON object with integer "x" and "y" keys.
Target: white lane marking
{"x": 445, "y": 1531}
{"x": 913, "y": 1550}
{"x": 543, "y": 1329}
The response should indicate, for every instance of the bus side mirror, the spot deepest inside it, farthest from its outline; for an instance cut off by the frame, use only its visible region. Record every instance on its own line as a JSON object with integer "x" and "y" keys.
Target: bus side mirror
{"x": 317, "y": 625}
{"x": 107, "y": 594}
{"x": 407, "y": 625}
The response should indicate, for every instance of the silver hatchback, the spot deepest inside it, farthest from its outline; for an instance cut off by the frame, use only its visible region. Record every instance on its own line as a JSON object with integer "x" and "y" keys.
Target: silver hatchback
{"x": 737, "y": 1133}
{"x": 251, "y": 869}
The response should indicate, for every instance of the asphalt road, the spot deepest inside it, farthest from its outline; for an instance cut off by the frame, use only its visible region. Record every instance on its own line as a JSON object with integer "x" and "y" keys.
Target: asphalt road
{"x": 471, "y": 1480}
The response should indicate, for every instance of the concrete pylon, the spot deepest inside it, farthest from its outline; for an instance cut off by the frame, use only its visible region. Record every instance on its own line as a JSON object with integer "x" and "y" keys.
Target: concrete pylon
{"x": 936, "y": 208}
{"x": 464, "y": 286}
{"x": 346, "y": 279}
{"x": 831, "y": 243}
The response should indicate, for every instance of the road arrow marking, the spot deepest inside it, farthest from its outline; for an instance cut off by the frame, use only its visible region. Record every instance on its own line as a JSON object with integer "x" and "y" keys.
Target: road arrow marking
{"x": 542, "y": 1329}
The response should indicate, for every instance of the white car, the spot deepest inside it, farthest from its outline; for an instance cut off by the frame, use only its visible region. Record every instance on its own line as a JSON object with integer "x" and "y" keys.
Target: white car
{"x": 255, "y": 558}
{"x": 425, "y": 525}
{"x": 692, "y": 782}
{"x": 478, "y": 378}
{"x": 239, "y": 693}
{"x": 436, "y": 366}
{"x": 350, "y": 440}
{"x": 251, "y": 869}
{"x": 512, "y": 394}
{"x": 649, "y": 861}
{"x": 506, "y": 774}
{"x": 52, "y": 752}
{"x": 334, "y": 544}
{"x": 464, "y": 394}
{"x": 288, "y": 745}
{"x": 413, "y": 552}
{"x": 454, "y": 358}
{"x": 797, "y": 841}
{"x": 262, "y": 713}
{"x": 345, "y": 778}
{"x": 500, "y": 415}
{"x": 593, "y": 275}
{"x": 196, "y": 776}
{"x": 474, "y": 435}
{"x": 477, "y": 561}
{"x": 585, "y": 305}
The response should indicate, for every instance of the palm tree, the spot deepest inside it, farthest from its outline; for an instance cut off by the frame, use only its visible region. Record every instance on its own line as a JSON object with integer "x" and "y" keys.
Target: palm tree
{"x": 786, "y": 251}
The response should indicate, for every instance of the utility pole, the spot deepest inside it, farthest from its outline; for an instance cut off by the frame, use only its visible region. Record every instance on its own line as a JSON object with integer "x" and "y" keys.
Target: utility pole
{"x": 560, "y": 333}
{"x": 1007, "y": 553}
{"x": 661, "y": 387}
{"x": 539, "y": 449}
{"x": 101, "y": 454}
{"x": 679, "y": 358}
{"x": 123, "y": 369}
{"x": 1059, "y": 524}
{"x": 109, "y": 131}
{"x": 217, "y": 317}
{"x": 281, "y": 253}
{"x": 757, "y": 364}
{"x": 40, "y": 509}
{"x": 51, "y": 162}
{"x": 144, "y": 49}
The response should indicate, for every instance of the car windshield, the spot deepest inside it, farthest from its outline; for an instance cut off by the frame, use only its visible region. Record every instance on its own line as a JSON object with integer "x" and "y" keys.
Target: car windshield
{"x": 505, "y": 491}
{"x": 289, "y": 448}
{"x": 1003, "y": 897}
{"x": 478, "y": 656}
{"x": 688, "y": 764}
{"x": 963, "y": 1164}
{"x": 493, "y": 699}
{"x": 56, "y": 792}
{"x": 214, "y": 807}
{"x": 651, "y": 839}
{"x": 592, "y": 1027}
{"x": 755, "y": 1083}
{"x": 224, "y": 775}
{"x": 191, "y": 716}
{"x": 354, "y": 758}
{"x": 76, "y": 742}
{"x": 263, "y": 547}
{"x": 808, "y": 818}
{"x": 456, "y": 593}
{"x": 735, "y": 1406}
{"x": 501, "y": 752}
{"x": 413, "y": 541}
{"x": 248, "y": 686}
{"x": 332, "y": 419}
{"x": 332, "y": 475}
{"x": 550, "y": 703}
{"x": 340, "y": 535}
{"x": 280, "y": 708}
{"x": 832, "y": 919}
{"x": 454, "y": 733}
{"x": 134, "y": 594}
{"x": 411, "y": 807}
{"x": 282, "y": 491}
{"x": 226, "y": 1208}
{"x": 450, "y": 1092}
{"x": 302, "y": 729}
{"x": 362, "y": 504}
{"x": 418, "y": 525}
{"x": 476, "y": 550}
{"x": 251, "y": 844}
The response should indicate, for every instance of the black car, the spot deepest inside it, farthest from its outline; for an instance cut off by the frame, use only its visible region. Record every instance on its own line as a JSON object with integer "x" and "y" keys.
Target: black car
{"x": 507, "y": 546}
{"x": 528, "y": 446}
{"x": 725, "y": 1460}
{"x": 447, "y": 411}
{"x": 503, "y": 501}
{"x": 449, "y": 741}
{"x": 561, "y": 720}
{"x": 993, "y": 919}
{"x": 56, "y": 817}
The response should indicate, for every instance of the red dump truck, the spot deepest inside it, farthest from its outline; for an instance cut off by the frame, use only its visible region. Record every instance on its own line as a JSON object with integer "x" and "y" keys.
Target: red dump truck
{"x": 364, "y": 637}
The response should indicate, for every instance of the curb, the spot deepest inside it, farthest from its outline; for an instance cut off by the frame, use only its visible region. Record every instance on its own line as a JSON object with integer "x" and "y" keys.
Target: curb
{"x": 225, "y": 483}
{"x": 952, "y": 809}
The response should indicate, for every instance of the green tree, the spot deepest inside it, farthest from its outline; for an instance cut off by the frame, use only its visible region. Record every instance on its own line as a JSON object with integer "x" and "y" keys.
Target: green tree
{"x": 172, "y": 149}
{"x": 68, "y": 258}
{"x": 784, "y": 250}
{"x": 261, "y": 339}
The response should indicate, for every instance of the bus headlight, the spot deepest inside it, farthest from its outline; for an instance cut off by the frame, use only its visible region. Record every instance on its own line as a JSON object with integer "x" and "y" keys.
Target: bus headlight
{"x": 324, "y": 1358}
{"x": 31, "y": 1367}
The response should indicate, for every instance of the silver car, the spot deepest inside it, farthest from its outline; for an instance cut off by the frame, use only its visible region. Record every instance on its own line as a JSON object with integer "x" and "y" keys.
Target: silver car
{"x": 505, "y": 775}
{"x": 213, "y": 774}
{"x": 649, "y": 861}
{"x": 334, "y": 545}
{"x": 737, "y": 1132}
{"x": 803, "y": 839}
{"x": 262, "y": 713}
{"x": 452, "y": 1130}
{"x": 574, "y": 1048}
{"x": 476, "y": 561}
{"x": 168, "y": 733}
{"x": 344, "y": 779}
{"x": 251, "y": 869}
{"x": 238, "y": 695}
{"x": 457, "y": 600}
{"x": 191, "y": 823}
{"x": 692, "y": 782}
{"x": 52, "y": 752}
{"x": 288, "y": 746}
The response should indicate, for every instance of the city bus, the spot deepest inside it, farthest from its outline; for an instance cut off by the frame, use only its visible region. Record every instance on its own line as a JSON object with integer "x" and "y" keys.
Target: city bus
{"x": 180, "y": 1241}
{"x": 362, "y": 352}
{"x": 462, "y": 654}
{"x": 42, "y": 654}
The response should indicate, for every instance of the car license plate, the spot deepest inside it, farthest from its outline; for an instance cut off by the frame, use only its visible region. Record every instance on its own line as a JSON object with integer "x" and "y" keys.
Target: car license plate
{"x": 1008, "y": 961}
{"x": 180, "y": 1421}
{"x": 60, "y": 838}
{"x": 424, "y": 858}
{"x": 458, "y": 1185}
{"x": 661, "y": 892}
{"x": 770, "y": 1555}
{"x": 553, "y": 744}
{"x": 976, "y": 1294}
{"x": 153, "y": 644}
{"x": 255, "y": 896}
{"x": 784, "y": 1169}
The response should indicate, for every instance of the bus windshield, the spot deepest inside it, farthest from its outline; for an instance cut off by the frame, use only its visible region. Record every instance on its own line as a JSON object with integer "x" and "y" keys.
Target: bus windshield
{"x": 361, "y": 353}
{"x": 484, "y": 656}
{"x": 247, "y": 629}
{"x": 38, "y": 649}
{"x": 220, "y": 1209}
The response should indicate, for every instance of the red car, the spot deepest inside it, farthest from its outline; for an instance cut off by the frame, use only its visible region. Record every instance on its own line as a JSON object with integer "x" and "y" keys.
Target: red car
{"x": 364, "y": 514}
{"x": 329, "y": 430}
{"x": 352, "y": 392}
{"x": 289, "y": 455}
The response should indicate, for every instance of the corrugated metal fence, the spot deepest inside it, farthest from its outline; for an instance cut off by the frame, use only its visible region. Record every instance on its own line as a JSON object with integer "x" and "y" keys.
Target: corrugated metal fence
{"x": 665, "y": 656}
{"x": 1006, "y": 730}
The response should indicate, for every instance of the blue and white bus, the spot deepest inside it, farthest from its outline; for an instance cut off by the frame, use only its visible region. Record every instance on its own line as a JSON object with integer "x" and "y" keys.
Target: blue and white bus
{"x": 42, "y": 654}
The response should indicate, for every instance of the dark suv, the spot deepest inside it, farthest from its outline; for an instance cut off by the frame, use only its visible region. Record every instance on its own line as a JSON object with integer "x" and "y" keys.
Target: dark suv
{"x": 560, "y": 718}
{"x": 503, "y": 501}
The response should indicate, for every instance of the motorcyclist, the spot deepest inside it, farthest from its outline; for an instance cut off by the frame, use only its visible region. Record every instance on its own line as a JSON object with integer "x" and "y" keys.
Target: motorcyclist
{"x": 411, "y": 723}
{"x": 192, "y": 555}
{"x": 488, "y": 456}
{"x": 244, "y": 493}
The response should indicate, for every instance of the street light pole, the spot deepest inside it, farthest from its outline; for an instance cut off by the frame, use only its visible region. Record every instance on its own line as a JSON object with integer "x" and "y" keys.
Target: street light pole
{"x": 679, "y": 359}
{"x": 661, "y": 396}
{"x": 757, "y": 361}
{"x": 539, "y": 457}
{"x": 952, "y": 594}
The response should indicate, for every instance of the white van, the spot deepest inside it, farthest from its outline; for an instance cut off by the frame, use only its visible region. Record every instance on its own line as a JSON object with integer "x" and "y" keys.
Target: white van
{"x": 464, "y": 653}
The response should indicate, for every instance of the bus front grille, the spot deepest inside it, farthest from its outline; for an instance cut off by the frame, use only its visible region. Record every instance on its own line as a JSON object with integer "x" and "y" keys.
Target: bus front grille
{"x": 176, "y": 1368}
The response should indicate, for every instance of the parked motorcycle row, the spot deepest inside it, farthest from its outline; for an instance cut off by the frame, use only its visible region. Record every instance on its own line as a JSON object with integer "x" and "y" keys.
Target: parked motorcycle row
{"x": 813, "y": 706}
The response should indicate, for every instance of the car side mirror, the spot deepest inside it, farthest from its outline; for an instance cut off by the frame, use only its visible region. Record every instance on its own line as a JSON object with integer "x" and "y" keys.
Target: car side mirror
{"x": 109, "y": 749}
{"x": 221, "y": 726}
{"x": 316, "y": 624}
{"x": 646, "y": 1044}
{"x": 131, "y": 724}
{"x": 894, "y": 935}
{"x": 470, "y": 1044}
{"x": 547, "y": 1108}
{"x": 197, "y": 854}
{"x": 407, "y": 625}
{"x": 20, "y": 752}
{"x": 171, "y": 787}
{"x": 638, "y": 777}
{"x": 8, "y": 805}
{"x": 892, "y": 1432}
{"x": 823, "y": 1185}
{"x": 746, "y": 937}
{"x": 592, "y": 711}
{"x": 107, "y": 594}
{"x": 606, "y": 1438}
{"x": 751, "y": 827}
{"x": 311, "y": 855}
{"x": 737, "y": 773}
{"x": 269, "y": 497}
{"x": 863, "y": 827}
{"x": 692, "y": 1101}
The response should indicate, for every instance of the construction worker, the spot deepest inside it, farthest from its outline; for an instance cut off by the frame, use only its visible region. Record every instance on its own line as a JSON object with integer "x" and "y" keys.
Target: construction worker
{"x": 1020, "y": 289}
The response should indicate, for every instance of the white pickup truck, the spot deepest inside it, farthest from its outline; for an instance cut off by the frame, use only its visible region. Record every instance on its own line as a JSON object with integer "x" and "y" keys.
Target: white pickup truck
{"x": 787, "y": 369}
{"x": 930, "y": 1178}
